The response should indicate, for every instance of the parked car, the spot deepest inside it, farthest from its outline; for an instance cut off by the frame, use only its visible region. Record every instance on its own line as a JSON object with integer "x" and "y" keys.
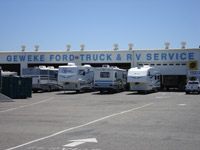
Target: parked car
{"x": 192, "y": 86}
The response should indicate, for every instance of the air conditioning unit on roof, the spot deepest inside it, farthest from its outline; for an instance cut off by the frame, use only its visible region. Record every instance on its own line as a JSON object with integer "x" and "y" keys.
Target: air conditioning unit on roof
{"x": 71, "y": 64}
{"x": 105, "y": 66}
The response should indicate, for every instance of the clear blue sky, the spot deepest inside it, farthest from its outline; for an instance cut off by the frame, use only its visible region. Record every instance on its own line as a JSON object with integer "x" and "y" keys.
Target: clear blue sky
{"x": 98, "y": 24}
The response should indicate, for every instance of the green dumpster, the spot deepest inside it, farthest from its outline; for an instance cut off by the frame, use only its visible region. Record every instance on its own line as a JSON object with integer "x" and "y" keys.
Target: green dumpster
{"x": 17, "y": 87}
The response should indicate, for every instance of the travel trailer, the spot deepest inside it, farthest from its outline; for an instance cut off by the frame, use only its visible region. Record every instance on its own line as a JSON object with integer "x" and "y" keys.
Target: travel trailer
{"x": 144, "y": 79}
{"x": 76, "y": 78}
{"x": 43, "y": 78}
{"x": 109, "y": 79}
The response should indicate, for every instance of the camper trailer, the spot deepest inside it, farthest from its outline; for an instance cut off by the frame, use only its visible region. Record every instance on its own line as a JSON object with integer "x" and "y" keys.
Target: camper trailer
{"x": 76, "y": 78}
{"x": 43, "y": 78}
{"x": 144, "y": 79}
{"x": 109, "y": 79}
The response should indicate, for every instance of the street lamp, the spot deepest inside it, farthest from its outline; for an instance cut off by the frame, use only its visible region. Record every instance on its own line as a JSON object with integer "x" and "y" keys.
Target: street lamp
{"x": 116, "y": 46}
{"x": 130, "y": 46}
{"x": 82, "y": 47}
{"x": 183, "y": 44}
{"x": 68, "y": 47}
{"x": 167, "y": 45}
{"x": 36, "y": 47}
{"x": 23, "y": 48}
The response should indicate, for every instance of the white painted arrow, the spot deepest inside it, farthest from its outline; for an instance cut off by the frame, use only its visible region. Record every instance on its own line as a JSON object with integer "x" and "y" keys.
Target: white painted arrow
{"x": 81, "y": 141}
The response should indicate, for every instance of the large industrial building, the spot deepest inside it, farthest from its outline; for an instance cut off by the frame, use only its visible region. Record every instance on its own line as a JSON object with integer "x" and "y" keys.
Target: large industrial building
{"x": 176, "y": 65}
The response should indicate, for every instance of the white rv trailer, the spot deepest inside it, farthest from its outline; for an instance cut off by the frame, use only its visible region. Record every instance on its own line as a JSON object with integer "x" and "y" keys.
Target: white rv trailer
{"x": 144, "y": 79}
{"x": 109, "y": 79}
{"x": 43, "y": 78}
{"x": 76, "y": 78}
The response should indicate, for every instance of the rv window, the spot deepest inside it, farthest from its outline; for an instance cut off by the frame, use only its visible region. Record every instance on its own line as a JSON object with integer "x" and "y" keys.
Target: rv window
{"x": 37, "y": 72}
{"x": 28, "y": 71}
{"x": 124, "y": 76}
{"x": 105, "y": 74}
{"x": 67, "y": 70}
{"x": 43, "y": 72}
{"x": 53, "y": 73}
{"x": 115, "y": 74}
{"x": 81, "y": 72}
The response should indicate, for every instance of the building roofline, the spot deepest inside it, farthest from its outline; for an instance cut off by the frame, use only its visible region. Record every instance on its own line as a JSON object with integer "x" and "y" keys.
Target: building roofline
{"x": 86, "y": 51}
{"x": 171, "y": 49}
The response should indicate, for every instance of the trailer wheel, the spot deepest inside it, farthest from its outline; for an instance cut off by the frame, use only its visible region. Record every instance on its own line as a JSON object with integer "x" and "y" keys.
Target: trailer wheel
{"x": 77, "y": 91}
{"x": 111, "y": 91}
{"x": 93, "y": 89}
{"x": 187, "y": 92}
{"x": 117, "y": 90}
{"x": 123, "y": 88}
{"x": 49, "y": 90}
{"x": 35, "y": 91}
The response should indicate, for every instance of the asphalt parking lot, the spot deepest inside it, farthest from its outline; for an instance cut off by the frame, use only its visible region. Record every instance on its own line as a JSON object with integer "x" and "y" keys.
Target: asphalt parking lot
{"x": 93, "y": 121}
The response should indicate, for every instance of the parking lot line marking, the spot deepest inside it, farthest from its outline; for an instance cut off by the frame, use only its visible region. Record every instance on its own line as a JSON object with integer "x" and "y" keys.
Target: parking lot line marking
{"x": 26, "y": 105}
{"x": 159, "y": 97}
{"x": 181, "y": 94}
{"x": 181, "y": 104}
{"x": 80, "y": 126}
